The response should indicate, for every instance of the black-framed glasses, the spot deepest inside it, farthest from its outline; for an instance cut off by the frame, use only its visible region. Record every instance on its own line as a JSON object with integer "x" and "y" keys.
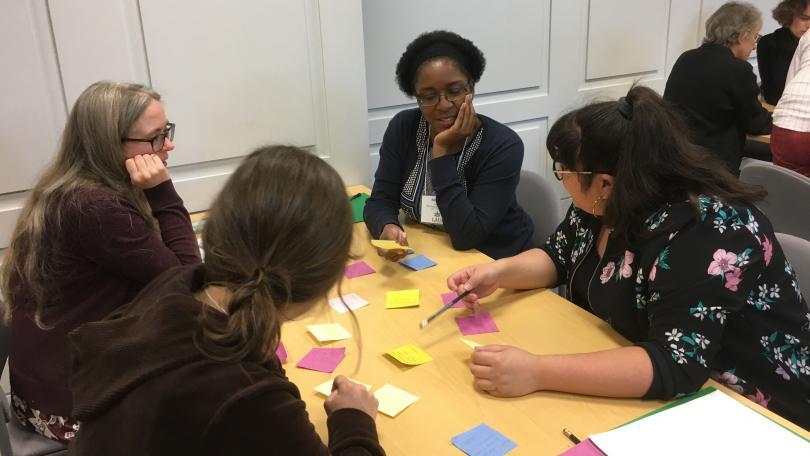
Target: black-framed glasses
{"x": 453, "y": 95}
{"x": 558, "y": 173}
{"x": 157, "y": 141}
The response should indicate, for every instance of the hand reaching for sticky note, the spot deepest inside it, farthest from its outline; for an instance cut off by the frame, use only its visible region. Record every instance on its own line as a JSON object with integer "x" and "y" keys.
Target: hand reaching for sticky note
{"x": 396, "y": 237}
{"x": 348, "y": 394}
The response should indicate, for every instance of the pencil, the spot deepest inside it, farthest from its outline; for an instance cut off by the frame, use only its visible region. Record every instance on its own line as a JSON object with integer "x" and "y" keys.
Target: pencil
{"x": 444, "y": 308}
{"x": 570, "y": 436}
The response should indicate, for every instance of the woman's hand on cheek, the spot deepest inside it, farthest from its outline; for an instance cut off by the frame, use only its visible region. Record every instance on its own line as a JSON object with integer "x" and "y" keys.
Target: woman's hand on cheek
{"x": 146, "y": 171}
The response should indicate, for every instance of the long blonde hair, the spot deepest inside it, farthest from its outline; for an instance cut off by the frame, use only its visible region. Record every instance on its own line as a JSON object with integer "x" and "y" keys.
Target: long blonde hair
{"x": 90, "y": 155}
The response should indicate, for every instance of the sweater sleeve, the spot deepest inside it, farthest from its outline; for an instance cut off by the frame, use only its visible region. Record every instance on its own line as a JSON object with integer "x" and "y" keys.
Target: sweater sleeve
{"x": 754, "y": 119}
{"x": 275, "y": 421}
{"x": 113, "y": 234}
{"x": 382, "y": 207}
{"x": 469, "y": 217}
{"x": 703, "y": 276}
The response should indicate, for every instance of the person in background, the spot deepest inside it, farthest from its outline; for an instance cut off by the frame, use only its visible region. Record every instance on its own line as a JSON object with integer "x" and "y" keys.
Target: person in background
{"x": 669, "y": 249}
{"x": 715, "y": 89}
{"x": 193, "y": 369}
{"x": 443, "y": 164}
{"x": 102, "y": 221}
{"x": 775, "y": 50}
{"x": 790, "y": 140}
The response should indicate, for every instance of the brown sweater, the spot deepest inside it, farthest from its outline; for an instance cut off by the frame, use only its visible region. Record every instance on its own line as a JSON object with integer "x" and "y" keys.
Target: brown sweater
{"x": 103, "y": 254}
{"x": 140, "y": 386}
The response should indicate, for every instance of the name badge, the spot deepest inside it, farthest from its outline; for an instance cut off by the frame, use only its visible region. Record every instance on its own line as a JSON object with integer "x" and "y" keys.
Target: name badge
{"x": 430, "y": 211}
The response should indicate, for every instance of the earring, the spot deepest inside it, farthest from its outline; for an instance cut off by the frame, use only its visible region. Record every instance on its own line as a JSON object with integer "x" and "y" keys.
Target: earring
{"x": 596, "y": 203}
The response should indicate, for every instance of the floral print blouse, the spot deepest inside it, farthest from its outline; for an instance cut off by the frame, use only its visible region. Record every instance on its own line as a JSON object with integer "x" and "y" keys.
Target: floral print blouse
{"x": 708, "y": 293}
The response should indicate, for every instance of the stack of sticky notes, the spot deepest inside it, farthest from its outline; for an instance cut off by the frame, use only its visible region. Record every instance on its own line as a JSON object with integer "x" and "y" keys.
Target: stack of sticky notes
{"x": 401, "y": 298}
{"x": 409, "y": 354}
{"x": 328, "y": 332}
{"x": 387, "y": 244}
{"x": 393, "y": 400}
{"x": 418, "y": 262}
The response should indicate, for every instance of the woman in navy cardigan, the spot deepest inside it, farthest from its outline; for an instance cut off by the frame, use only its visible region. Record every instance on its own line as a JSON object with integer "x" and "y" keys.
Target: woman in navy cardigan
{"x": 443, "y": 164}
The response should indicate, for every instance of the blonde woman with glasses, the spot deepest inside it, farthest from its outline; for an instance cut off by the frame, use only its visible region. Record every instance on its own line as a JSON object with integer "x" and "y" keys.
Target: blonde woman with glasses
{"x": 102, "y": 221}
{"x": 444, "y": 165}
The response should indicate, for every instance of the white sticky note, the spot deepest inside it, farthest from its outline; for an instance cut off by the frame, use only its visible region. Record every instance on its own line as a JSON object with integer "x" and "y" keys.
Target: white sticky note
{"x": 352, "y": 300}
{"x": 328, "y": 332}
{"x": 471, "y": 344}
{"x": 393, "y": 400}
{"x": 325, "y": 388}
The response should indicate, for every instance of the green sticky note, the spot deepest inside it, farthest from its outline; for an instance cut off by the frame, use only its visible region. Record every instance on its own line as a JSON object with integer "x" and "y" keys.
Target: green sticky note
{"x": 358, "y": 202}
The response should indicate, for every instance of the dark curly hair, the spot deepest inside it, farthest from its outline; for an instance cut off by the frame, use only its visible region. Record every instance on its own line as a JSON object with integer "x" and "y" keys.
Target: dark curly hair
{"x": 787, "y": 10}
{"x": 438, "y": 44}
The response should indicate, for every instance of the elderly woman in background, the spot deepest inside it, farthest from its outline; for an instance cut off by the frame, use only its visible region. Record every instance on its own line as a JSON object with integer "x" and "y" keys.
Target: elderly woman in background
{"x": 715, "y": 88}
{"x": 790, "y": 140}
{"x": 775, "y": 50}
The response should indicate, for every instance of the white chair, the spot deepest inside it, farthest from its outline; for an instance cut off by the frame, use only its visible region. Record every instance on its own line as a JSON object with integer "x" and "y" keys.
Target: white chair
{"x": 797, "y": 251}
{"x": 787, "y": 205}
{"x": 14, "y": 439}
{"x": 539, "y": 199}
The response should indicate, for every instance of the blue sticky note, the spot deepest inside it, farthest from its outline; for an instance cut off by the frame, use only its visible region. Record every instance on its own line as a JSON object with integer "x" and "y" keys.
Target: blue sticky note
{"x": 418, "y": 262}
{"x": 482, "y": 440}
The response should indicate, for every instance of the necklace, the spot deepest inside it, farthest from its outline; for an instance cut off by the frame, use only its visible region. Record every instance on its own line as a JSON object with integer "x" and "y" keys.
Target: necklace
{"x": 214, "y": 301}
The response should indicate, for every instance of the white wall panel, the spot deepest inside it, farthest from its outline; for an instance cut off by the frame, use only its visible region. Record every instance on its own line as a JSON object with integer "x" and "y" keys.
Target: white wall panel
{"x": 234, "y": 77}
{"x": 97, "y": 39}
{"x": 626, "y": 37}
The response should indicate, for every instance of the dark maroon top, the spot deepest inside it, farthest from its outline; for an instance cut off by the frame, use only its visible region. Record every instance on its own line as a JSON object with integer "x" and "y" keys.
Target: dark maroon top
{"x": 102, "y": 256}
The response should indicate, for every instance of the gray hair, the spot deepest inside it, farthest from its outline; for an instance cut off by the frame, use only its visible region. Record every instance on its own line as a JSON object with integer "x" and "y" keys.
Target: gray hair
{"x": 725, "y": 26}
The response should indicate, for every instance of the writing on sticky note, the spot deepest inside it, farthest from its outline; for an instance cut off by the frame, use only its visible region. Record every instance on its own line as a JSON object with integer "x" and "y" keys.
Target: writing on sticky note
{"x": 409, "y": 354}
{"x": 325, "y": 388}
{"x": 327, "y": 332}
{"x": 479, "y": 323}
{"x": 358, "y": 203}
{"x": 393, "y": 400}
{"x": 401, "y": 298}
{"x": 387, "y": 245}
{"x": 471, "y": 344}
{"x": 483, "y": 440}
{"x": 351, "y": 300}
{"x": 322, "y": 359}
{"x": 418, "y": 262}
{"x": 358, "y": 269}
{"x": 281, "y": 352}
{"x": 448, "y": 297}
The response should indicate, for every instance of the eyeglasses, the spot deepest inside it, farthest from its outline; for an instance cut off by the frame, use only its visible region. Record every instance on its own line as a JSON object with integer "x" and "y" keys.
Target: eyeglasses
{"x": 558, "y": 173}
{"x": 157, "y": 141}
{"x": 453, "y": 95}
{"x": 756, "y": 40}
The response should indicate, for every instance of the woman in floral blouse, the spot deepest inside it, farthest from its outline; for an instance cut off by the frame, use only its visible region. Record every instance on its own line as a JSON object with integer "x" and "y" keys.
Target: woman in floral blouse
{"x": 669, "y": 249}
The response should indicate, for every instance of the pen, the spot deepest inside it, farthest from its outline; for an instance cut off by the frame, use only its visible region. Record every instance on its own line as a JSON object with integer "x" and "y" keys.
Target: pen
{"x": 446, "y": 306}
{"x": 355, "y": 196}
{"x": 570, "y": 436}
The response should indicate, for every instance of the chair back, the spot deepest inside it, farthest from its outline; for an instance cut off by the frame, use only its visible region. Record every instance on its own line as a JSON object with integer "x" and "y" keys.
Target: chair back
{"x": 787, "y": 205}
{"x": 539, "y": 199}
{"x": 797, "y": 251}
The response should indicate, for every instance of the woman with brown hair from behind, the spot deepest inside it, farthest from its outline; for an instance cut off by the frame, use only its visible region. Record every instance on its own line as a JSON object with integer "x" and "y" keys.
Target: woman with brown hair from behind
{"x": 192, "y": 367}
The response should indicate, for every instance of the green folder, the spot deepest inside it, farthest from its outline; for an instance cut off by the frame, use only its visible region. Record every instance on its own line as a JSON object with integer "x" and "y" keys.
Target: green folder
{"x": 358, "y": 202}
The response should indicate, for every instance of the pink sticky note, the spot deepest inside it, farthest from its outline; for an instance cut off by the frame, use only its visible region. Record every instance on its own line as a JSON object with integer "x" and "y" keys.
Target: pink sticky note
{"x": 358, "y": 269}
{"x": 448, "y": 297}
{"x": 323, "y": 359}
{"x": 476, "y": 324}
{"x": 584, "y": 448}
{"x": 281, "y": 352}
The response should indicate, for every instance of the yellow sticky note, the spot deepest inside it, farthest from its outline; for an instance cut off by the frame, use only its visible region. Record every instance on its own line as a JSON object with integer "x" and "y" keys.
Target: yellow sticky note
{"x": 325, "y": 388}
{"x": 393, "y": 400}
{"x": 409, "y": 354}
{"x": 401, "y": 298}
{"x": 328, "y": 332}
{"x": 471, "y": 343}
{"x": 387, "y": 245}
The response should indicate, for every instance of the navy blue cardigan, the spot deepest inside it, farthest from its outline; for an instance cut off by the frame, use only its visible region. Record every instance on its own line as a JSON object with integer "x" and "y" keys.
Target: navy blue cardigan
{"x": 479, "y": 211}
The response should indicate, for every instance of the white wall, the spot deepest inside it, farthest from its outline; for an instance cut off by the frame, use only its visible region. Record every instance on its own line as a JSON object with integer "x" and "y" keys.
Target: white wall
{"x": 543, "y": 57}
{"x": 232, "y": 77}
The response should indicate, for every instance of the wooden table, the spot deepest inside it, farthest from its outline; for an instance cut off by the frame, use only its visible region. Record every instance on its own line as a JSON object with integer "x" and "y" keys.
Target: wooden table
{"x": 536, "y": 320}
